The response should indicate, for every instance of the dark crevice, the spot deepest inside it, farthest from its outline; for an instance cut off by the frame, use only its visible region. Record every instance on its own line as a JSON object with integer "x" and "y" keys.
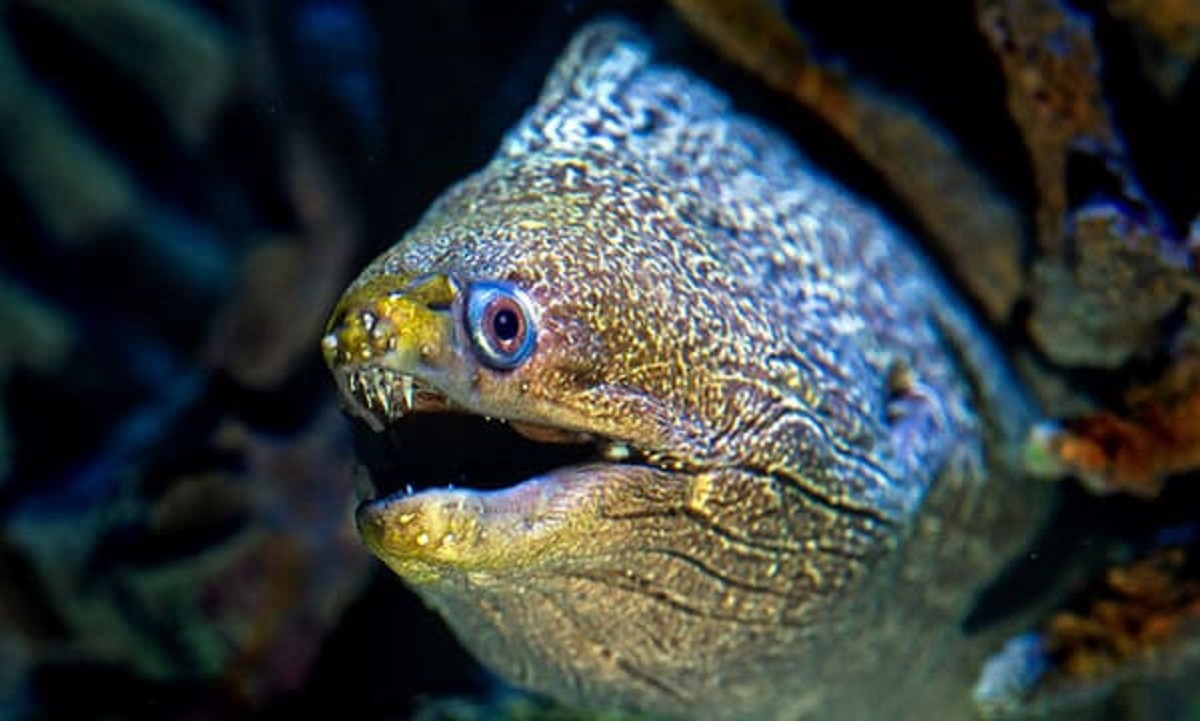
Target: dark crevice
{"x": 1156, "y": 130}
{"x": 26, "y": 604}
{"x": 1084, "y": 535}
{"x": 1092, "y": 177}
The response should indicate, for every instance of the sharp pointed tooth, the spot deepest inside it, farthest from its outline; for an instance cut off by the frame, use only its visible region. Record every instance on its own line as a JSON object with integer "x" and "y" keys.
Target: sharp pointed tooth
{"x": 357, "y": 401}
{"x": 406, "y": 389}
{"x": 384, "y": 395}
{"x": 384, "y": 400}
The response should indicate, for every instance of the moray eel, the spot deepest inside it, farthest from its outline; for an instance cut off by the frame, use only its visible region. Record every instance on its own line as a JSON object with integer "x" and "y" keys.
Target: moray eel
{"x": 802, "y": 468}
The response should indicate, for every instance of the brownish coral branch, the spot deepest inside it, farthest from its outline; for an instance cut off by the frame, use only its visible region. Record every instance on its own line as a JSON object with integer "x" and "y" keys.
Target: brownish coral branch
{"x": 1110, "y": 271}
{"x": 1052, "y": 68}
{"x": 1137, "y": 620}
{"x": 1105, "y": 303}
{"x": 1134, "y": 451}
{"x": 1141, "y": 611}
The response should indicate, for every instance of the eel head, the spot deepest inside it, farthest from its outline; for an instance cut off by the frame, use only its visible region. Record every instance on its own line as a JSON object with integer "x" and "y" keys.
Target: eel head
{"x": 656, "y": 560}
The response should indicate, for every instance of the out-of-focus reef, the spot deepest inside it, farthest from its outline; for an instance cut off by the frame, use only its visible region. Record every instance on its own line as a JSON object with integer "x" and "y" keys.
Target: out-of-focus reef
{"x": 186, "y": 186}
{"x": 1136, "y": 625}
{"x": 176, "y": 534}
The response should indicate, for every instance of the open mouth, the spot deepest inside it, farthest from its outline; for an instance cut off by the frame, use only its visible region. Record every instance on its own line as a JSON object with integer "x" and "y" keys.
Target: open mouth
{"x": 410, "y": 438}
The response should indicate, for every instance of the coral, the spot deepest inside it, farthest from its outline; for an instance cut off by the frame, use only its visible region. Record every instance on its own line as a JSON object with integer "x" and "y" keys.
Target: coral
{"x": 1107, "y": 301}
{"x": 286, "y": 286}
{"x": 1144, "y": 606}
{"x": 178, "y": 53}
{"x": 77, "y": 186}
{"x": 227, "y": 577}
{"x": 1168, "y": 37}
{"x": 1138, "y": 620}
{"x": 163, "y": 526}
{"x": 1133, "y": 450}
{"x": 35, "y": 336}
{"x": 1109, "y": 271}
{"x": 1051, "y": 64}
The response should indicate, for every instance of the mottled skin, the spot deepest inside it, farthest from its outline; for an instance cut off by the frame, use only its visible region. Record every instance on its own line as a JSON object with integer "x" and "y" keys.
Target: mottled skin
{"x": 824, "y": 469}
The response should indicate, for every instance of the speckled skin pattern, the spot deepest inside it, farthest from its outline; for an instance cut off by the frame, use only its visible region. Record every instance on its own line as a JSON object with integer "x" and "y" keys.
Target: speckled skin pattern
{"x": 825, "y": 443}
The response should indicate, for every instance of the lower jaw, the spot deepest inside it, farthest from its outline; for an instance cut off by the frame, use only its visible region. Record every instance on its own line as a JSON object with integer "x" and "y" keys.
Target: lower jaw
{"x": 554, "y": 518}
{"x": 427, "y": 534}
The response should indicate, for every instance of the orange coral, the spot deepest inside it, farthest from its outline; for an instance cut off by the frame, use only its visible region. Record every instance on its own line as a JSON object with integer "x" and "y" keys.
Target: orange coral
{"x": 1134, "y": 452}
{"x": 1142, "y": 609}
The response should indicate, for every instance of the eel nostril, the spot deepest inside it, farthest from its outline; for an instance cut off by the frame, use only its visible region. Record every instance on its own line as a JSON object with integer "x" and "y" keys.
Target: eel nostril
{"x": 347, "y": 337}
{"x": 329, "y": 347}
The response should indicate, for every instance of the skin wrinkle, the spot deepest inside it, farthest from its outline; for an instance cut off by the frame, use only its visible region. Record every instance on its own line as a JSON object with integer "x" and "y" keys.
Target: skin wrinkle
{"x": 707, "y": 570}
{"x": 630, "y": 669}
{"x": 824, "y": 446}
{"x": 646, "y": 588}
{"x": 565, "y": 612}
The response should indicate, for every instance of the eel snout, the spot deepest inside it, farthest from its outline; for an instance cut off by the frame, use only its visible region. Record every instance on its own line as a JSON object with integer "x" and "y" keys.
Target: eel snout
{"x": 382, "y": 335}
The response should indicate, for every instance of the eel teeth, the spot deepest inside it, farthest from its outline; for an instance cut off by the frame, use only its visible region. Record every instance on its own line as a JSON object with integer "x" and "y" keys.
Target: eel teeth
{"x": 379, "y": 395}
{"x": 358, "y": 401}
{"x": 383, "y": 399}
{"x": 406, "y": 391}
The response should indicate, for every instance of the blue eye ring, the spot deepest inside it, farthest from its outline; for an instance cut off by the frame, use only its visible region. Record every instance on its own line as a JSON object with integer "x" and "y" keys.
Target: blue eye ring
{"x": 501, "y": 324}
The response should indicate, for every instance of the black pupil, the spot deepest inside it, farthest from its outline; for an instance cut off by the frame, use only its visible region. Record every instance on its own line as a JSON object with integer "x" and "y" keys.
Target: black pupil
{"x": 505, "y": 324}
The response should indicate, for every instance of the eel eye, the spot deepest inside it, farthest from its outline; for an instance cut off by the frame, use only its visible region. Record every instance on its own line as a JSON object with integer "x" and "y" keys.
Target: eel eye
{"x": 500, "y": 324}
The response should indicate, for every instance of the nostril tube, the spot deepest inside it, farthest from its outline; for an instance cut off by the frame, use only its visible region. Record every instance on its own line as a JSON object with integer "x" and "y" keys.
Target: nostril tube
{"x": 329, "y": 347}
{"x": 347, "y": 338}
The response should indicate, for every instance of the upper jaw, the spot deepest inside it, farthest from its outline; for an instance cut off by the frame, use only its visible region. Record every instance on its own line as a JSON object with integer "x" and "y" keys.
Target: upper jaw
{"x": 382, "y": 335}
{"x": 391, "y": 344}
{"x": 379, "y": 394}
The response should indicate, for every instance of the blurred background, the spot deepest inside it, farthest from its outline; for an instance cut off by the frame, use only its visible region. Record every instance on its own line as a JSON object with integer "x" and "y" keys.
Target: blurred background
{"x": 185, "y": 188}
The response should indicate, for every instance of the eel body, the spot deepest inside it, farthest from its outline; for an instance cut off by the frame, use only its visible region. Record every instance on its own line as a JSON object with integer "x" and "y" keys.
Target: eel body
{"x": 805, "y": 466}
